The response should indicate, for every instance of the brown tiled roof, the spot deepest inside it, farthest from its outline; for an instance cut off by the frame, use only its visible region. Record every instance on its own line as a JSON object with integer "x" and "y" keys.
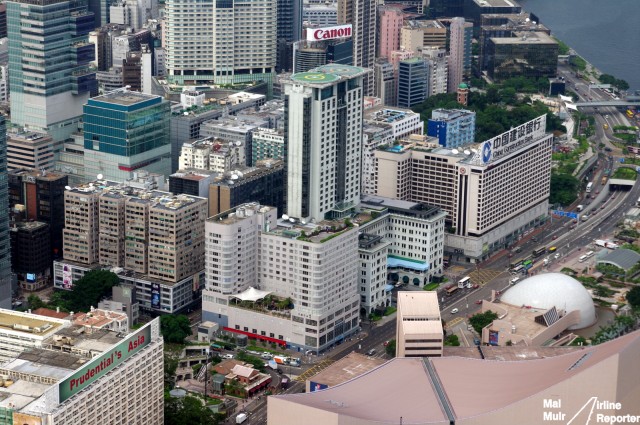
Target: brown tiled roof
{"x": 43, "y": 311}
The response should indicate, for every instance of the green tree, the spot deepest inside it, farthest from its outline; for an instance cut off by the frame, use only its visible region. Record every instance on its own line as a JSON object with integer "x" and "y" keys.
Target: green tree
{"x": 564, "y": 189}
{"x": 480, "y": 320}
{"x": 35, "y": 302}
{"x": 170, "y": 366}
{"x": 188, "y": 411}
{"x": 452, "y": 340}
{"x": 633, "y": 297}
{"x": 390, "y": 349}
{"x": 87, "y": 291}
{"x": 175, "y": 328}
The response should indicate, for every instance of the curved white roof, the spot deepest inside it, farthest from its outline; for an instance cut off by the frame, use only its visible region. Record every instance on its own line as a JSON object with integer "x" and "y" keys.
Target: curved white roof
{"x": 251, "y": 294}
{"x": 553, "y": 289}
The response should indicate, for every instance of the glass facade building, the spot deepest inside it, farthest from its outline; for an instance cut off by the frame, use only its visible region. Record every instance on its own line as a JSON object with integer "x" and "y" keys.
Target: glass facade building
{"x": 413, "y": 82}
{"x": 526, "y": 54}
{"x": 125, "y": 131}
{"x": 50, "y": 75}
{"x": 5, "y": 242}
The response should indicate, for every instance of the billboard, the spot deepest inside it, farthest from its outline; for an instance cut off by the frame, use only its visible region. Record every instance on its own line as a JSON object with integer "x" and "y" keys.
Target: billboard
{"x": 26, "y": 419}
{"x": 104, "y": 363}
{"x": 514, "y": 139}
{"x": 493, "y": 337}
{"x": 155, "y": 295}
{"x": 314, "y": 386}
{"x": 328, "y": 33}
{"x": 67, "y": 281}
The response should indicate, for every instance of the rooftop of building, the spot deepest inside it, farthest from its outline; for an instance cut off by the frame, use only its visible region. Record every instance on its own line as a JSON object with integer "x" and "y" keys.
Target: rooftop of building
{"x": 27, "y": 226}
{"x": 243, "y": 175}
{"x": 431, "y": 390}
{"x": 83, "y": 339}
{"x": 327, "y": 74}
{"x": 387, "y": 115}
{"x": 38, "y": 174}
{"x": 424, "y": 24}
{"x": 413, "y": 60}
{"x": 195, "y": 175}
{"x": 451, "y": 114}
{"x": 98, "y": 318}
{"x": 48, "y": 312}
{"x": 496, "y": 3}
{"x": 525, "y": 37}
{"x": 348, "y": 367}
{"x": 509, "y": 353}
{"x": 418, "y": 305}
{"x": 156, "y": 198}
{"x": 622, "y": 258}
{"x": 29, "y": 324}
{"x": 367, "y": 241}
{"x": 231, "y": 123}
{"x": 380, "y": 203}
{"x": 125, "y": 97}
{"x": 28, "y": 136}
{"x": 413, "y": 142}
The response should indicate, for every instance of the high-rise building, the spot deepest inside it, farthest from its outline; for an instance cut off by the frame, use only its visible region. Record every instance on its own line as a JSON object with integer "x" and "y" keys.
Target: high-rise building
{"x": 312, "y": 54}
{"x": 415, "y": 35}
{"x": 125, "y": 131}
{"x": 321, "y": 15}
{"x": 362, "y": 15}
{"x": 438, "y": 69}
{"x": 459, "y": 52}
{"x": 31, "y": 254}
{"x": 390, "y": 21}
{"x": 50, "y": 80}
{"x": 528, "y": 54}
{"x": 413, "y": 82}
{"x": 289, "y": 30}
{"x": 469, "y": 185}
{"x": 5, "y": 243}
{"x": 323, "y": 138}
{"x": 385, "y": 81}
{"x": 227, "y": 42}
{"x": 419, "y": 330}
{"x": 309, "y": 271}
{"x": 31, "y": 149}
{"x": 452, "y": 127}
{"x": 152, "y": 239}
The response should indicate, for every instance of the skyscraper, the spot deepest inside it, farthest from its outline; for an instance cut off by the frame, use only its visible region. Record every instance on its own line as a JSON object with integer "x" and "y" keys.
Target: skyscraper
{"x": 413, "y": 82}
{"x": 226, "y": 41}
{"x": 362, "y": 15}
{"x": 323, "y": 139}
{"x": 459, "y": 52}
{"x": 49, "y": 64}
{"x": 5, "y": 242}
{"x": 289, "y": 30}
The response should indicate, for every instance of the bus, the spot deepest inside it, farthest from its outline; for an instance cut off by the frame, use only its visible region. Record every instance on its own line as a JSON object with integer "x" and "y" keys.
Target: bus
{"x": 527, "y": 264}
{"x": 589, "y": 186}
{"x": 517, "y": 269}
{"x": 451, "y": 289}
{"x": 539, "y": 251}
{"x": 464, "y": 282}
{"x": 517, "y": 263}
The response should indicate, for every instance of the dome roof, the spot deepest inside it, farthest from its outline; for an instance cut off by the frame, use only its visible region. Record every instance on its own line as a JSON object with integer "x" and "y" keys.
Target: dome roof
{"x": 553, "y": 289}
{"x": 463, "y": 86}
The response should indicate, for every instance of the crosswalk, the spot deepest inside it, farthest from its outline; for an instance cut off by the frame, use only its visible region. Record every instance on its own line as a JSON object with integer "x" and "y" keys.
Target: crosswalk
{"x": 483, "y": 276}
{"x": 314, "y": 370}
{"x": 454, "y": 322}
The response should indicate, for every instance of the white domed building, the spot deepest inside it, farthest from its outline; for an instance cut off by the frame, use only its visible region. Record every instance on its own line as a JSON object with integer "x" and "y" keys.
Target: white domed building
{"x": 538, "y": 309}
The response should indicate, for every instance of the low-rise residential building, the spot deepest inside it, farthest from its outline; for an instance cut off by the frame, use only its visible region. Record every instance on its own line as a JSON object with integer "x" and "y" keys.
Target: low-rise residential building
{"x": 452, "y": 127}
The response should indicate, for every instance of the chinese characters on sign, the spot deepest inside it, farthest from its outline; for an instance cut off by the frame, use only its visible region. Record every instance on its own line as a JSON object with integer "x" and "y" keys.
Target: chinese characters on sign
{"x": 514, "y": 139}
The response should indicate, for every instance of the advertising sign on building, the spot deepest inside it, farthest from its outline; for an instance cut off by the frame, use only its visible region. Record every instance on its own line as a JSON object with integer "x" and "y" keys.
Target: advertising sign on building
{"x": 494, "y": 337}
{"x": 514, "y": 139}
{"x": 314, "y": 386}
{"x": 67, "y": 281}
{"x": 104, "y": 363}
{"x": 328, "y": 33}
{"x": 155, "y": 295}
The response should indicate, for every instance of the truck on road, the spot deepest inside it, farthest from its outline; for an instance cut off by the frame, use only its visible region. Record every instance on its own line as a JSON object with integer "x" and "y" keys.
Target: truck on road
{"x": 606, "y": 244}
{"x": 281, "y": 359}
{"x": 241, "y": 418}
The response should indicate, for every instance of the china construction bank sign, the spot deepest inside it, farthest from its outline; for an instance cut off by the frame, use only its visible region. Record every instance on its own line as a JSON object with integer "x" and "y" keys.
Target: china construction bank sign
{"x": 104, "y": 363}
{"x": 514, "y": 139}
{"x": 329, "y": 33}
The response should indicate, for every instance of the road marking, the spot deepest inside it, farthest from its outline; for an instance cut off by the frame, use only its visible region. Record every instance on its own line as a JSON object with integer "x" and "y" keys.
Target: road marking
{"x": 454, "y": 322}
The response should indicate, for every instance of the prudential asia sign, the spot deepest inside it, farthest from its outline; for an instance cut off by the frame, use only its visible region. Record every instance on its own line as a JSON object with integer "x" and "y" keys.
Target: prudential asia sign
{"x": 329, "y": 33}
{"x": 104, "y": 363}
{"x": 514, "y": 139}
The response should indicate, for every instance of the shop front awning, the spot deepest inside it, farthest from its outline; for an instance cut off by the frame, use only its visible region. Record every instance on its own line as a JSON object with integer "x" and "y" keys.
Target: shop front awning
{"x": 395, "y": 261}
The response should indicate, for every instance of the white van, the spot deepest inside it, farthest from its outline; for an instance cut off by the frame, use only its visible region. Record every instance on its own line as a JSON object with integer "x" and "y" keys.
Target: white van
{"x": 515, "y": 280}
{"x": 241, "y": 418}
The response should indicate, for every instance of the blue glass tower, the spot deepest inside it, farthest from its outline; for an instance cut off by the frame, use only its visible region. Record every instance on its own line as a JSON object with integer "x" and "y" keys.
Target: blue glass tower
{"x": 49, "y": 63}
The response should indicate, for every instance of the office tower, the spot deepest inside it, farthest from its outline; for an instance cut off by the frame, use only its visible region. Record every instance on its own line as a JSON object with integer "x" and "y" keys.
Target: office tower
{"x": 362, "y": 15}
{"x": 125, "y": 131}
{"x": 3, "y": 20}
{"x": 41, "y": 193}
{"x": 415, "y": 35}
{"x": 419, "y": 330}
{"x": 132, "y": 71}
{"x": 289, "y": 30}
{"x": 308, "y": 269}
{"x": 309, "y": 54}
{"x": 528, "y": 54}
{"x": 4, "y": 82}
{"x": 5, "y": 243}
{"x": 385, "y": 82}
{"x": 267, "y": 143}
{"x": 323, "y": 138}
{"x": 413, "y": 82}
{"x": 452, "y": 127}
{"x": 320, "y": 15}
{"x": 438, "y": 69}
{"x": 31, "y": 254}
{"x": 390, "y": 21}
{"x": 152, "y": 239}
{"x": 459, "y": 52}
{"x": 31, "y": 149}
{"x": 52, "y": 79}
{"x": 474, "y": 9}
{"x": 469, "y": 186}
{"x": 229, "y": 42}
{"x": 263, "y": 183}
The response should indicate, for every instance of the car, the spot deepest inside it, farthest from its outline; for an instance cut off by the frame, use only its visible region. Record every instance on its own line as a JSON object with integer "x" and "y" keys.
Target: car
{"x": 476, "y": 341}
{"x": 555, "y": 237}
{"x": 371, "y": 352}
{"x": 593, "y": 196}
{"x": 553, "y": 248}
{"x": 534, "y": 239}
{"x": 228, "y": 356}
{"x": 557, "y": 255}
{"x": 479, "y": 302}
{"x": 385, "y": 343}
{"x": 476, "y": 286}
{"x": 454, "y": 311}
{"x": 266, "y": 355}
{"x": 518, "y": 249}
{"x": 597, "y": 192}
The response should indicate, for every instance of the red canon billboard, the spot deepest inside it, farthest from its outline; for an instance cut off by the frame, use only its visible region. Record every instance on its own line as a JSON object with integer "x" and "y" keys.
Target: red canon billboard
{"x": 319, "y": 34}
